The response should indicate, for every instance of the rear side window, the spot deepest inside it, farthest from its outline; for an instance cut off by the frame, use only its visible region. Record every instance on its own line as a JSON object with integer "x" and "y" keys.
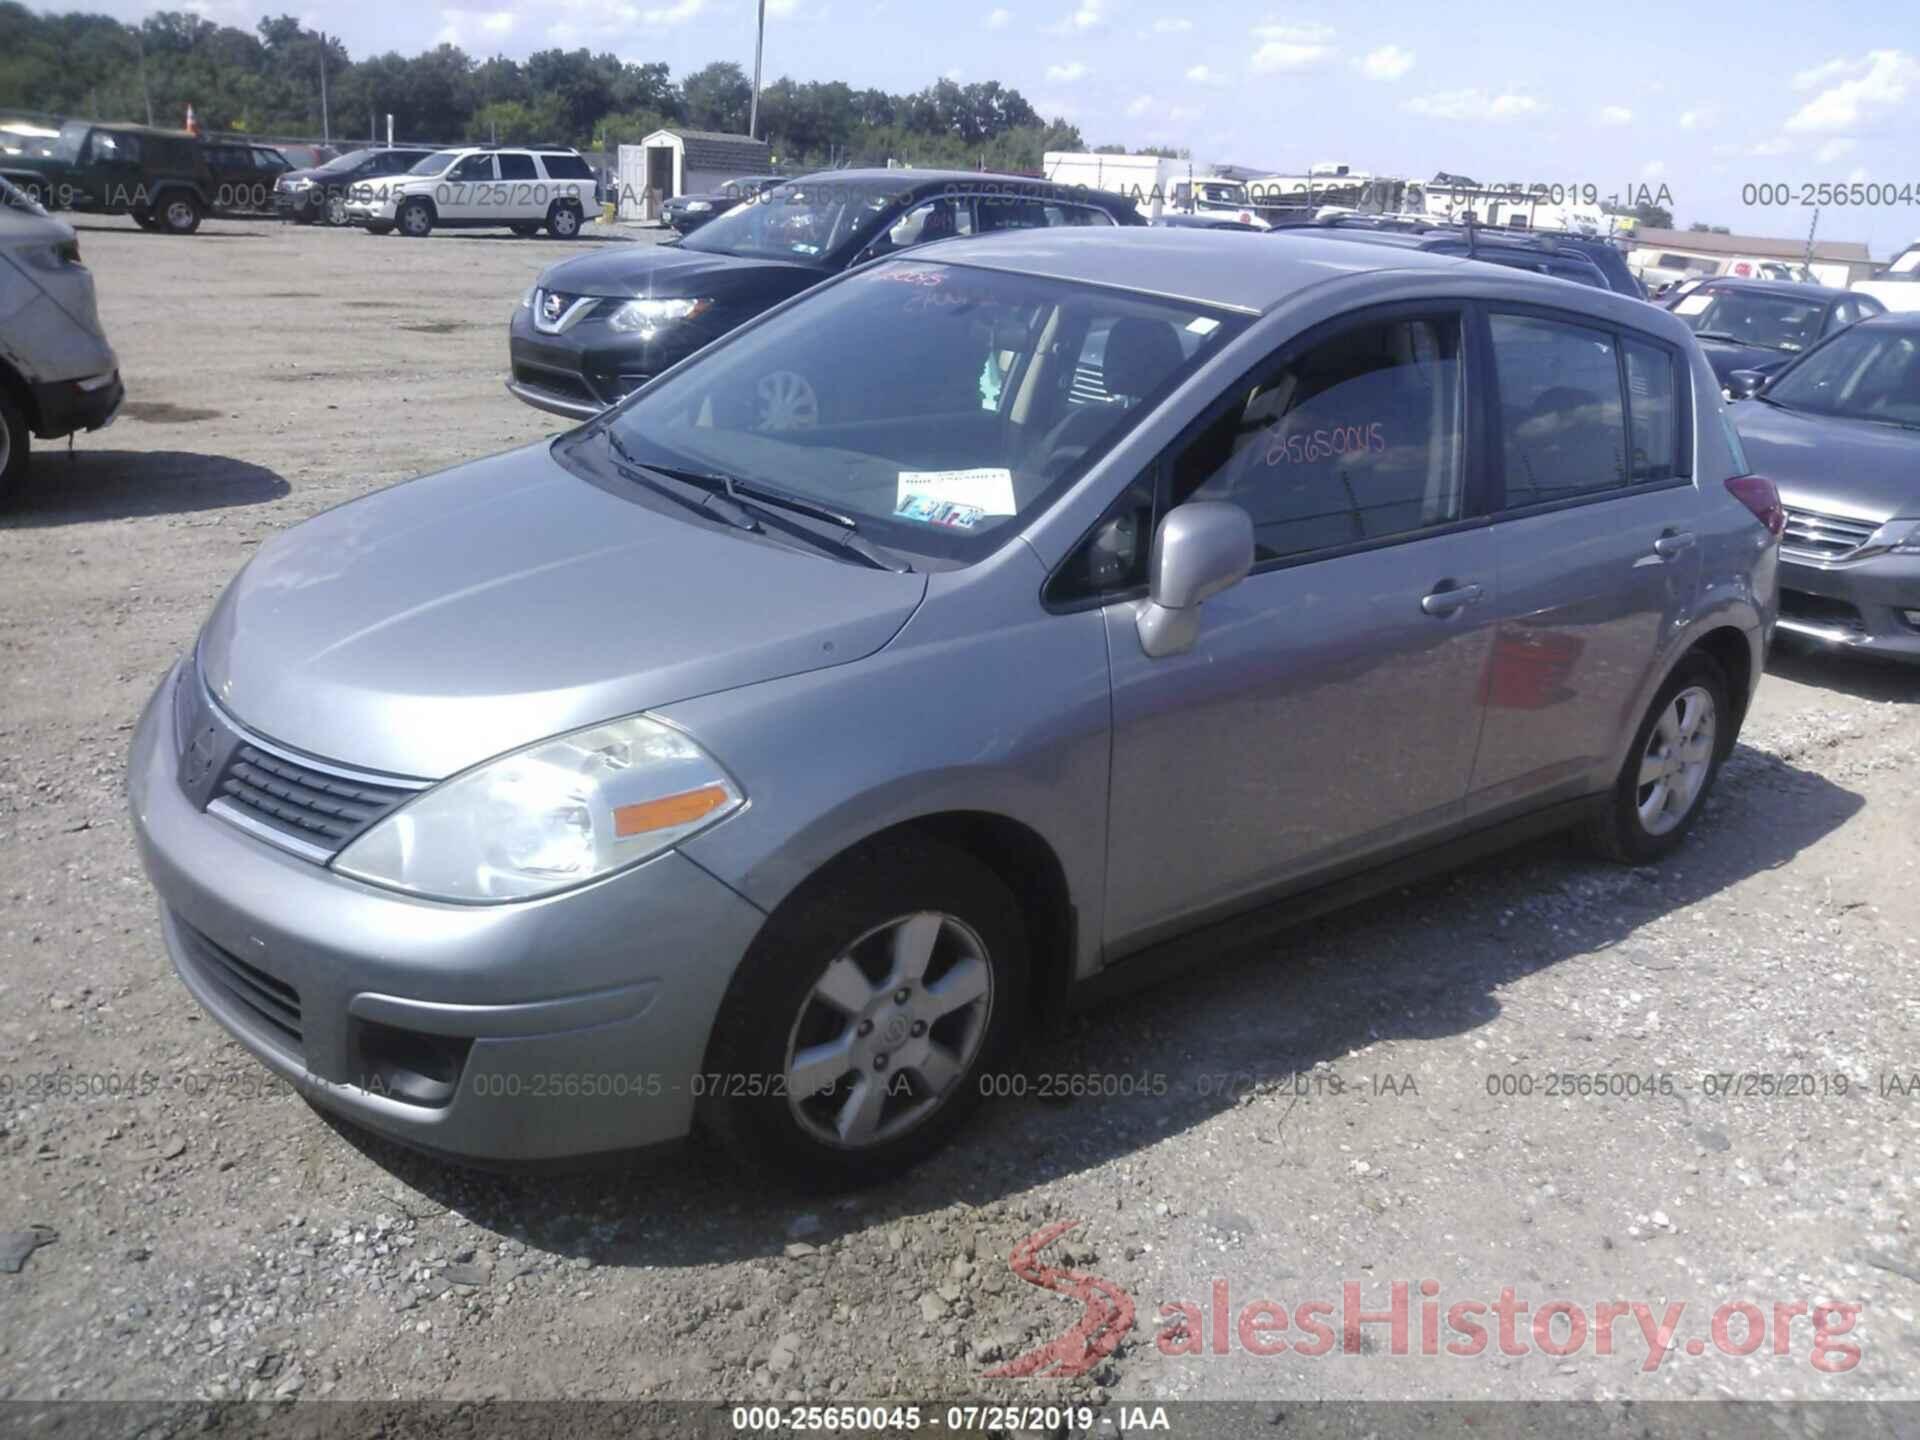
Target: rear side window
{"x": 1563, "y": 429}
{"x": 1653, "y": 403}
{"x": 516, "y": 167}
{"x": 566, "y": 167}
{"x": 1354, "y": 440}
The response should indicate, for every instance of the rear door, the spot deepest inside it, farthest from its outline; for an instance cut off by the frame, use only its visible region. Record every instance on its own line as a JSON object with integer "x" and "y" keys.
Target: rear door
{"x": 1329, "y": 710}
{"x": 1598, "y": 549}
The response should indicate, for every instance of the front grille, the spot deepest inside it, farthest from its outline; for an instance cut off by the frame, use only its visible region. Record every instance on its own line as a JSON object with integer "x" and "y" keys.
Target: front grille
{"x": 1825, "y": 537}
{"x": 317, "y": 806}
{"x": 274, "y": 1004}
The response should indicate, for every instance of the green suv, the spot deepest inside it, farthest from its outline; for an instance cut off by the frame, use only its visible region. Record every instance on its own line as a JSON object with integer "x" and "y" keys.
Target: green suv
{"x": 159, "y": 177}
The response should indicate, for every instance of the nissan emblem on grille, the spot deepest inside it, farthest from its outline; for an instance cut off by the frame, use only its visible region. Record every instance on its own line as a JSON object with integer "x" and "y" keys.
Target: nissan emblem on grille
{"x": 553, "y": 307}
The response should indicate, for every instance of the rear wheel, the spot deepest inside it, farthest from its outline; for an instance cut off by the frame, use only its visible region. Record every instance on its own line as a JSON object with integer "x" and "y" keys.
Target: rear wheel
{"x": 1675, "y": 756}
{"x": 858, "y": 1033}
{"x": 415, "y": 219}
{"x": 14, "y": 445}
{"x": 563, "y": 220}
{"x": 179, "y": 214}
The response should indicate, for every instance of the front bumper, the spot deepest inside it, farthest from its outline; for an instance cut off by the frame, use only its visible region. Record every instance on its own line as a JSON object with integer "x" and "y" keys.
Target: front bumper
{"x": 588, "y": 367}
{"x": 1859, "y": 605}
{"x": 559, "y": 1027}
{"x": 67, "y": 406}
{"x": 294, "y": 204}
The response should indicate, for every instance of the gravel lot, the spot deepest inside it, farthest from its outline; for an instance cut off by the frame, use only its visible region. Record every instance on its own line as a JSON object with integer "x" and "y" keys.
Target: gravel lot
{"x": 1326, "y": 1116}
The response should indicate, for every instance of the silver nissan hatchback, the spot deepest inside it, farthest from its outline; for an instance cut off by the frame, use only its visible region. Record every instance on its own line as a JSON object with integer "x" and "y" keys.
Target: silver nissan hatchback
{"x": 770, "y": 767}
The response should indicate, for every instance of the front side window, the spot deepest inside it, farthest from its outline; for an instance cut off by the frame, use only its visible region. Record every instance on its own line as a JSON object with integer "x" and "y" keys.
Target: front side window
{"x": 930, "y": 402}
{"x": 474, "y": 167}
{"x": 798, "y": 222}
{"x": 1862, "y": 374}
{"x": 1356, "y": 439}
{"x": 1562, "y": 426}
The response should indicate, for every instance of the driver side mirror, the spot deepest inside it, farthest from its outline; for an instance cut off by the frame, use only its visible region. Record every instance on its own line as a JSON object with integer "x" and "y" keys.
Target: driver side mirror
{"x": 1745, "y": 384}
{"x": 1200, "y": 549}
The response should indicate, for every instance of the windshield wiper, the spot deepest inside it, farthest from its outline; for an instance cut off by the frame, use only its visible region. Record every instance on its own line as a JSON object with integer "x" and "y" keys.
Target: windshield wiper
{"x": 716, "y": 503}
{"x": 1718, "y": 335}
{"x": 846, "y": 532}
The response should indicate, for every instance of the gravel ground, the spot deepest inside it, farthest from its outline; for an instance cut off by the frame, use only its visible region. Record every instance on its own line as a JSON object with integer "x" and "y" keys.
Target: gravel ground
{"x": 1316, "y": 1111}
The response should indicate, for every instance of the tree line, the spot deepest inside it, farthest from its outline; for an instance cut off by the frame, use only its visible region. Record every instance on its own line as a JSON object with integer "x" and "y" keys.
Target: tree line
{"x": 268, "y": 82}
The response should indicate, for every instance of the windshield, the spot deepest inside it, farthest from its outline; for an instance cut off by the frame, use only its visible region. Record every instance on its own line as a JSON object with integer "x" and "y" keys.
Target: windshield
{"x": 799, "y": 221}
{"x": 435, "y": 163}
{"x": 1773, "y": 322}
{"x": 348, "y": 161}
{"x": 936, "y": 405}
{"x": 1861, "y": 374}
{"x": 1222, "y": 194}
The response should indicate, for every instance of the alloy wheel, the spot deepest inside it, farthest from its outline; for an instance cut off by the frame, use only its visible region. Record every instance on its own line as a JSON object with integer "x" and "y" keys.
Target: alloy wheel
{"x": 889, "y": 1031}
{"x": 1679, "y": 754}
{"x": 786, "y": 402}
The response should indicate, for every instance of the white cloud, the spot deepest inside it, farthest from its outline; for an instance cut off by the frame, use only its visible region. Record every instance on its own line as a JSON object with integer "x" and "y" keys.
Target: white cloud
{"x": 678, "y": 13}
{"x": 1172, "y": 25}
{"x": 1654, "y": 169}
{"x": 953, "y": 75}
{"x": 1779, "y": 145}
{"x": 1878, "y": 80}
{"x": 1087, "y": 15}
{"x": 1054, "y": 108}
{"x": 1472, "y": 105}
{"x": 464, "y": 26}
{"x": 1066, "y": 74}
{"x": 1182, "y": 112}
{"x": 1389, "y": 62}
{"x": 1858, "y": 175}
{"x": 999, "y": 19}
{"x": 1701, "y": 117}
{"x": 1836, "y": 149}
{"x": 1201, "y": 75}
{"x": 1139, "y": 105}
{"x": 782, "y": 9}
{"x": 1615, "y": 115}
{"x": 1291, "y": 47}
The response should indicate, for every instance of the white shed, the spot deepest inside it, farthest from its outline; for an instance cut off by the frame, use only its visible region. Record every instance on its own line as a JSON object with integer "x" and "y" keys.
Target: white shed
{"x": 684, "y": 162}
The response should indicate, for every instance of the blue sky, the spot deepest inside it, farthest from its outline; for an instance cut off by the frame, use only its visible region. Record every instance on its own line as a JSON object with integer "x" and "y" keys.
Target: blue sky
{"x": 1619, "y": 94}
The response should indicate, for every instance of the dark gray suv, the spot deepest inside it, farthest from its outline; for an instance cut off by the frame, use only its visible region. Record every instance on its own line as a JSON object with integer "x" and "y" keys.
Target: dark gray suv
{"x": 776, "y": 769}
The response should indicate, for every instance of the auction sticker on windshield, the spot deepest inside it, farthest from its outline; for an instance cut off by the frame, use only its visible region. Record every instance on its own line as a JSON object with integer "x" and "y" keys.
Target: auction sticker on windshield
{"x": 988, "y": 490}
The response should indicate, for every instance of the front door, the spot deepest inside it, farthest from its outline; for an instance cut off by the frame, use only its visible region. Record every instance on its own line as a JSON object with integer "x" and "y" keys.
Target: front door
{"x": 1331, "y": 706}
{"x": 466, "y": 195}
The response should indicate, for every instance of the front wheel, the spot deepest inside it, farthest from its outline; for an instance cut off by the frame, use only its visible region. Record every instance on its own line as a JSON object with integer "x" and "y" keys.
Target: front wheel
{"x": 416, "y": 219}
{"x": 336, "y": 210}
{"x": 868, "y": 1018}
{"x": 1675, "y": 757}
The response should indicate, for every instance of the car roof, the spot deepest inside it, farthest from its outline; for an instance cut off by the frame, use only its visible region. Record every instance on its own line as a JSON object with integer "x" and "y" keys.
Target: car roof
{"x": 1180, "y": 261}
{"x": 1792, "y": 288}
{"x": 916, "y": 181}
{"x": 1892, "y": 320}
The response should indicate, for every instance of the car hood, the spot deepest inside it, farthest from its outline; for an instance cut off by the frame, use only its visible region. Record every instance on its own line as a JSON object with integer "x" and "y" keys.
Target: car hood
{"x": 1835, "y": 467}
{"x": 1726, "y": 357}
{"x": 428, "y": 627}
{"x": 667, "y": 272}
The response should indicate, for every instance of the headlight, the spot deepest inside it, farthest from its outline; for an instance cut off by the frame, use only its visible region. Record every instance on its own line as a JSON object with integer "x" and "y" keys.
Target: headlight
{"x": 696, "y": 207}
{"x": 551, "y": 816}
{"x": 1908, "y": 544}
{"x": 646, "y": 316}
{"x": 303, "y": 183}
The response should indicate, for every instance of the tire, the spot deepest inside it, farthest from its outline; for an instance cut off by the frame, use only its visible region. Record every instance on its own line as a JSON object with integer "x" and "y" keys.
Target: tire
{"x": 1689, "y": 745}
{"x": 15, "y": 447}
{"x": 180, "y": 213}
{"x": 564, "y": 220}
{"x": 415, "y": 219}
{"x": 145, "y": 219}
{"x": 335, "y": 211}
{"x": 525, "y": 231}
{"x": 379, "y": 227}
{"x": 952, "y": 918}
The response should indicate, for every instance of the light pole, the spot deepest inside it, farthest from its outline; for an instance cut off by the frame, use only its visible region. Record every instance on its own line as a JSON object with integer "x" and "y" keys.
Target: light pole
{"x": 759, "y": 43}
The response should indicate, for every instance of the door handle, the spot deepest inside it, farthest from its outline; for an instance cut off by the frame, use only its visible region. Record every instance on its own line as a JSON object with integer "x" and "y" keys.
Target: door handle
{"x": 1450, "y": 598}
{"x": 1672, "y": 543}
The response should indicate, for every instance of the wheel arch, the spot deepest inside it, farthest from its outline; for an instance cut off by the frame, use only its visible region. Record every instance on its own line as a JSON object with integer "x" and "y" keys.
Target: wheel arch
{"x": 21, "y": 393}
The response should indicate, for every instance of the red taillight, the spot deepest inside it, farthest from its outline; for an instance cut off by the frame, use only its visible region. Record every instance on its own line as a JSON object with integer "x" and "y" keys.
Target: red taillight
{"x": 1758, "y": 494}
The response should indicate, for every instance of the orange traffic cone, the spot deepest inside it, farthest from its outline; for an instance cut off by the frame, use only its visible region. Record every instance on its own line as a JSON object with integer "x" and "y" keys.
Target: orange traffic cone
{"x": 193, "y": 125}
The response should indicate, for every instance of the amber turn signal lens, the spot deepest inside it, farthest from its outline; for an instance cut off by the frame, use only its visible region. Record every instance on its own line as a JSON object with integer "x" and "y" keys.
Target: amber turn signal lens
{"x": 668, "y": 811}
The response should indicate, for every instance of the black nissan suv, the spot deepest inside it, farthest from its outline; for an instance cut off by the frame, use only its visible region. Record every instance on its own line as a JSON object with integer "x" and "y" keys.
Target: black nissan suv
{"x": 597, "y": 327}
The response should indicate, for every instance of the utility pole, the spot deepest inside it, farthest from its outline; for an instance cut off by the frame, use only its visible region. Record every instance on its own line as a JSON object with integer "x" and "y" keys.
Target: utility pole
{"x": 1810, "y": 229}
{"x": 759, "y": 43}
{"x": 326, "y": 128}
